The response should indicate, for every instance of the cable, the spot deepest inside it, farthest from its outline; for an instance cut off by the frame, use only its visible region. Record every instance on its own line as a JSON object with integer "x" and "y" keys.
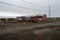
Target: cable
{"x": 30, "y": 3}
{"x": 18, "y": 6}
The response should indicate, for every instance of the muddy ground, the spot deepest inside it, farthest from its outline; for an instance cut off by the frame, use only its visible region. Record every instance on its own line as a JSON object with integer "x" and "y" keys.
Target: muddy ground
{"x": 34, "y": 32}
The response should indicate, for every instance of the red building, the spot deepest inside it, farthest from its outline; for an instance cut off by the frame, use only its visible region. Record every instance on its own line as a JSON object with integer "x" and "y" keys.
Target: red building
{"x": 32, "y": 18}
{"x": 44, "y": 18}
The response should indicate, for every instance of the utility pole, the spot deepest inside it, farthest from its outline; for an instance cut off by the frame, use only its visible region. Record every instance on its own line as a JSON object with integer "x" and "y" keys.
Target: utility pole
{"x": 49, "y": 11}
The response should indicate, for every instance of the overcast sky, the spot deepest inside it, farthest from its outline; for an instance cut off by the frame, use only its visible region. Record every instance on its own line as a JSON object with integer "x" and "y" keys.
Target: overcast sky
{"x": 34, "y": 7}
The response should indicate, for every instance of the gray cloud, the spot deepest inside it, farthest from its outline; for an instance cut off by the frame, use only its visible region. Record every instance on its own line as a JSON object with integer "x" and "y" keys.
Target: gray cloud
{"x": 42, "y": 5}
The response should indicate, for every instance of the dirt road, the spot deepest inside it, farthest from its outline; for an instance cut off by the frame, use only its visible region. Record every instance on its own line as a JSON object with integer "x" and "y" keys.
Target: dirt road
{"x": 50, "y": 31}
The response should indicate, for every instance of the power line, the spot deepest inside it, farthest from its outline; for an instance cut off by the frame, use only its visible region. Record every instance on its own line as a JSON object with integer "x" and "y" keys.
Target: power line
{"x": 31, "y": 3}
{"x": 49, "y": 10}
{"x": 18, "y": 6}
